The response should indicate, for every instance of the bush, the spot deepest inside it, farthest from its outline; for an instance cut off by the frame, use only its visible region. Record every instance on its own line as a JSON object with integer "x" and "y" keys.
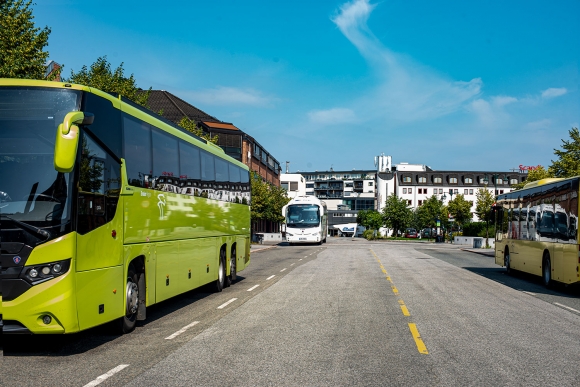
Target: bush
{"x": 474, "y": 229}
{"x": 369, "y": 235}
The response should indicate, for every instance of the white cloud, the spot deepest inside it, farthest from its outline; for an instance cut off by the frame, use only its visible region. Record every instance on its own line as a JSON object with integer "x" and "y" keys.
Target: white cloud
{"x": 408, "y": 91}
{"x": 553, "y": 92}
{"x": 231, "y": 96}
{"x": 502, "y": 100}
{"x": 539, "y": 125}
{"x": 332, "y": 116}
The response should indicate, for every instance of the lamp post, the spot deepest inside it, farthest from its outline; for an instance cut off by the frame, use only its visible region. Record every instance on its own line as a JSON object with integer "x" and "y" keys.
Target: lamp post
{"x": 450, "y": 199}
{"x": 494, "y": 176}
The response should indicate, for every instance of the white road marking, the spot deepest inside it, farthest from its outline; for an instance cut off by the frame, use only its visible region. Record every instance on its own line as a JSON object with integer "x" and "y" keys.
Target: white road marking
{"x": 226, "y": 303}
{"x": 252, "y": 288}
{"x": 181, "y": 330}
{"x": 282, "y": 270}
{"x": 300, "y": 259}
{"x": 270, "y": 277}
{"x": 291, "y": 264}
{"x": 567, "y": 307}
{"x": 530, "y": 293}
{"x": 106, "y": 376}
{"x": 306, "y": 256}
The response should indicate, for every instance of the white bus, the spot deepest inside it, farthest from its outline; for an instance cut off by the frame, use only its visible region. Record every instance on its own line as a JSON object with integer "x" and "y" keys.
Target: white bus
{"x": 306, "y": 220}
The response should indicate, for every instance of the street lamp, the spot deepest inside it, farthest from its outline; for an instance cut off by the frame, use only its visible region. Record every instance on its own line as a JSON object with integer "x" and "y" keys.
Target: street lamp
{"x": 450, "y": 199}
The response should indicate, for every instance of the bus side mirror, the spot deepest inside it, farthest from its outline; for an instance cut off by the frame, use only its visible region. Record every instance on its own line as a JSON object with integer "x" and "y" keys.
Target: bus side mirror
{"x": 67, "y": 140}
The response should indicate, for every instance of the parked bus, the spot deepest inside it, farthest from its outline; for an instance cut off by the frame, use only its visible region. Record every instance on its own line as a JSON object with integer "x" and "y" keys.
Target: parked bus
{"x": 96, "y": 220}
{"x": 306, "y": 220}
{"x": 537, "y": 230}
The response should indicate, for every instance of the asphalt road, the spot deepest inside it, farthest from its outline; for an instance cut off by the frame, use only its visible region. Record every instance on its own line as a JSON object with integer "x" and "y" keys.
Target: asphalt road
{"x": 349, "y": 313}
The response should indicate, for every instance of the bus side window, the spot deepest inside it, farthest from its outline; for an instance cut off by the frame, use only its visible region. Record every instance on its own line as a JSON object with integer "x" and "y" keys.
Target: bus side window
{"x": 137, "y": 151}
{"x": 99, "y": 186}
{"x": 165, "y": 175}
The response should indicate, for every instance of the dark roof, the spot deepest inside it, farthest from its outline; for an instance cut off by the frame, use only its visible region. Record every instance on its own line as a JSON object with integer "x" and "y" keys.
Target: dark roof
{"x": 174, "y": 108}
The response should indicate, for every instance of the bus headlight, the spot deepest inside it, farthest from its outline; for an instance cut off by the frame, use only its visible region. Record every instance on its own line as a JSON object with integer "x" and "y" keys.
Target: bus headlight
{"x": 38, "y": 274}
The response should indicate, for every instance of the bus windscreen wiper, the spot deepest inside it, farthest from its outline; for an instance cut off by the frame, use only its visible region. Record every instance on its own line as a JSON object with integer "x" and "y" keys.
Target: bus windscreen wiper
{"x": 28, "y": 227}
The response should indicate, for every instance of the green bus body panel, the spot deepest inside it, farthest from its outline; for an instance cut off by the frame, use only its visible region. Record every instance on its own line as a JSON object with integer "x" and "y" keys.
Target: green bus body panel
{"x": 100, "y": 287}
{"x": 56, "y": 297}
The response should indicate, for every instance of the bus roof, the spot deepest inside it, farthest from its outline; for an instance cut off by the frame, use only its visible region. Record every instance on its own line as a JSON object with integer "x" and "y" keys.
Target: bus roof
{"x": 538, "y": 183}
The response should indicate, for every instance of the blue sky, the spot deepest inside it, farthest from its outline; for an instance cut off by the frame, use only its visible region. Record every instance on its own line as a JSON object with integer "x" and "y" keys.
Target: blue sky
{"x": 476, "y": 85}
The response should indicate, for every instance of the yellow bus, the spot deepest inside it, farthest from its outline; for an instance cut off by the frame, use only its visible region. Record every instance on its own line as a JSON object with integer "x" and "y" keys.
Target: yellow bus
{"x": 106, "y": 208}
{"x": 537, "y": 230}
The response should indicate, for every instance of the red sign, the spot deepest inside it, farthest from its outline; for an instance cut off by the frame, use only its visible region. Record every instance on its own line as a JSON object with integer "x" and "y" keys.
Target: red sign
{"x": 529, "y": 168}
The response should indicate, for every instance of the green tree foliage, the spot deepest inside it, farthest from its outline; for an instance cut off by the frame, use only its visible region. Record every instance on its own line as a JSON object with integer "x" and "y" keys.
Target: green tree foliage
{"x": 396, "y": 214}
{"x": 533, "y": 175}
{"x": 483, "y": 209}
{"x": 21, "y": 43}
{"x": 370, "y": 219}
{"x": 192, "y": 127}
{"x": 460, "y": 209}
{"x": 100, "y": 76}
{"x": 431, "y": 210}
{"x": 267, "y": 200}
{"x": 568, "y": 163}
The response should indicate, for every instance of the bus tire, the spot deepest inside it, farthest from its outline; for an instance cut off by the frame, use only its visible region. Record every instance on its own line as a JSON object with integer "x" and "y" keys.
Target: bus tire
{"x": 233, "y": 266}
{"x": 221, "y": 280}
{"x": 546, "y": 270}
{"x": 128, "y": 322}
{"x": 506, "y": 261}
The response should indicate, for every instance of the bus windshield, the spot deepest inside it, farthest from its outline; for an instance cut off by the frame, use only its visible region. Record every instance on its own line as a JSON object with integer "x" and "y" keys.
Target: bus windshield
{"x": 303, "y": 215}
{"x": 33, "y": 195}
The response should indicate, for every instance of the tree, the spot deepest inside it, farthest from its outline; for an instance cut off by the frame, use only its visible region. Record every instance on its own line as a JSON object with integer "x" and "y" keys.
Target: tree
{"x": 370, "y": 219}
{"x": 21, "y": 43}
{"x": 568, "y": 163}
{"x": 397, "y": 215}
{"x": 431, "y": 210}
{"x": 267, "y": 200}
{"x": 483, "y": 204}
{"x": 100, "y": 76}
{"x": 192, "y": 127}
{"x": 533, "y": 175}
{"x": 460, "y": 209}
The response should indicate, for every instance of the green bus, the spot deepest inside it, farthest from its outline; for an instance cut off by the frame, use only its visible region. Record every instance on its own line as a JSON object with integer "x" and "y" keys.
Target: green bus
{"x": 106, "y": 208}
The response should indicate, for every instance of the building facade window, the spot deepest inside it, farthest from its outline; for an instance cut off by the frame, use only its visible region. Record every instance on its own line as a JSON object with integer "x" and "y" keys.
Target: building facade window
{"x": 471, "y": 191}
{"x": 422, "y": 179}
{"x": 440, "y": 191}
{"x": 410, "y": 190}
{"x": 420, "y": 202}
{"x": 513, "y": 181}
{"x": 409, "y": 202}
{"x": 404, "y": 190}
{"x": 452, "y": 180}
{"x": 406, "y": 179}
{"x": 437, "y": 180}
{"x": 465, "y": 191}
{"x": 468, "y": 180}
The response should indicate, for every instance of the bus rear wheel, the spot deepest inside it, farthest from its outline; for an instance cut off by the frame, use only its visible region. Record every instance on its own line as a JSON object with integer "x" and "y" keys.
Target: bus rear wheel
{"x": 546, "y": 270}
{"x": 128, "y": 322}
{"x": 221, "y": 280}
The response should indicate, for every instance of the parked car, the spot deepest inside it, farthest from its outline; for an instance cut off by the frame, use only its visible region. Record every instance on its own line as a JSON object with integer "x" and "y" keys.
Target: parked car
{"x": 410, "y": 233}
{"x": 428, "y": 232}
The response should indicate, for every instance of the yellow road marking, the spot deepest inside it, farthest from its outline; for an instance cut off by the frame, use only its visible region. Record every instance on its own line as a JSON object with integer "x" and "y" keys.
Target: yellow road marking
{"x": 418, "y": 341}
{"x": 384, "y": 271}
{"x": 404, "y": 308}
{"x": 395, "y": 290}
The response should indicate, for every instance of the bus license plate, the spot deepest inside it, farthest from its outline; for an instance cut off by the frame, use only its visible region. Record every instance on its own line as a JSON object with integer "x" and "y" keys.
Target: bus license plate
{"x": 301, "y": 239}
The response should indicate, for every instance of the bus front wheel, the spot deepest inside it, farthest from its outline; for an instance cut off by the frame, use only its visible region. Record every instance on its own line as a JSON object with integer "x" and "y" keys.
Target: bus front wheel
{"x": 506, "y": 262}
{"x": 129, "y": 321}
{"x": 547, "y": 270}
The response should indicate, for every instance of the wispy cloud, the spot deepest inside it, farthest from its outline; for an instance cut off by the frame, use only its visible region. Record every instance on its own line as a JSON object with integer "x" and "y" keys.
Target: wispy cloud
{"x": 232, "y": 96}
{"x": 332, "y": 116}
{"x": 408, "y": 91}
{"x": 553, "y": 92}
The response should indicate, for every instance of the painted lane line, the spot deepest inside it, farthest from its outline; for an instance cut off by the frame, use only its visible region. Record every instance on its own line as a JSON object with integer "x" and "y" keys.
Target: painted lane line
{"x": 306, "y": 256}
{"x": 418, "y": 341}
{"x": 106, "y": 376}
{"x": 270, "y": 277}
{"x": 282, "y": 270}
{"x": 226, "y": 303}
{"x": 404, "y": 308}
{"x": 181, "y": 330}
{"x": 252, "y": 288}
{"x": 300, "y": 259}
{"x": 291, "y": 264}
{"x": 395, "y": 290}
{"x": 567, "y": 307}
{"x": 529, "y": 293}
